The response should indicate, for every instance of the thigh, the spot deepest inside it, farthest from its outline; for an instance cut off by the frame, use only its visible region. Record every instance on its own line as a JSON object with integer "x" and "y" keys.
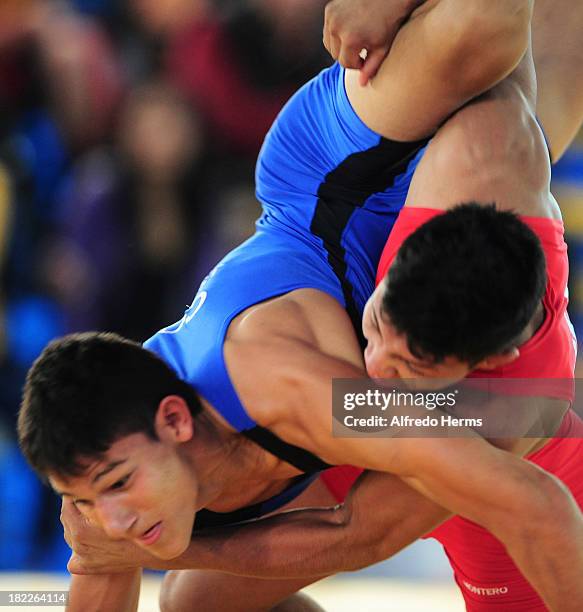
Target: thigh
{"x": 558, "y": 48}
{"x": 206, "y": 590}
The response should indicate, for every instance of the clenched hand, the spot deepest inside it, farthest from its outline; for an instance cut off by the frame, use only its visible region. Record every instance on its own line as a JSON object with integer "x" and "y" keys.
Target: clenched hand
{"x": 359, "y": 33}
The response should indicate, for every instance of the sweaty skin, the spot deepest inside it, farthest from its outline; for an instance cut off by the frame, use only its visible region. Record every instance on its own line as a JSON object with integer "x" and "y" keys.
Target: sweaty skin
{"x": 305, "y": 357}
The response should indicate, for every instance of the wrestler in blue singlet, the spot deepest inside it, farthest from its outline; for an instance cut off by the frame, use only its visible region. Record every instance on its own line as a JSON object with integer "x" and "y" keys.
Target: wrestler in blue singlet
{"x": 330, "y": 190}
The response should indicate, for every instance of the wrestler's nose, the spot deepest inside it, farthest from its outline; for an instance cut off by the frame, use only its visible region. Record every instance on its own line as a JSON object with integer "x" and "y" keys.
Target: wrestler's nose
{"x": 369, "y": 361}
{"x": 375, "y": 366}
{"x": 116, "y": 520}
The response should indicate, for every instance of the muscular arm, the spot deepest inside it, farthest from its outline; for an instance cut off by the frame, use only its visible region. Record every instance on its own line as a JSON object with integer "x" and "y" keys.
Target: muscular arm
{"x": 381, "y": 516}
{"x": 447, "y": 53}
{"x": 530, "y": 511}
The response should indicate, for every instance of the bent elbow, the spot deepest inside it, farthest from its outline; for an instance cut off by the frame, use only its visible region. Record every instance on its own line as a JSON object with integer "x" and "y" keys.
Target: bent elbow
{"x": 549, "y": 515}
{"x": 560, "y": 510}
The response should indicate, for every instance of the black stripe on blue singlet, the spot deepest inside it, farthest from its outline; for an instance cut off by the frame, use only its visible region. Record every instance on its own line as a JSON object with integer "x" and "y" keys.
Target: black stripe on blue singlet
{"x": 294, "y": 455}
{"x": 344, "y": 189}
{"x": 348, "y": 187}
{"x": 206, "y": 519}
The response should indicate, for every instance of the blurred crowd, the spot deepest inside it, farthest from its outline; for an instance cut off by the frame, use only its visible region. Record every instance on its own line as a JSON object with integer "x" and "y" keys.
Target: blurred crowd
{"x": 129, "y": 131}
{"x": 128, "y": 135}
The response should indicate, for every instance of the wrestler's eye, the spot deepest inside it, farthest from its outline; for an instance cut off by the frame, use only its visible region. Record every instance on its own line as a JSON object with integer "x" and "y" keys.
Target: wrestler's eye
{"x": 419, "y": 370}
{"x": 119, "y": 484}
{"x": 414, "y": 370}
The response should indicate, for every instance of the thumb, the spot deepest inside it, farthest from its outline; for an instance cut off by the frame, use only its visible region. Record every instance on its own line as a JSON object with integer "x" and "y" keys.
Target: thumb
{"x": 75, "y": 565}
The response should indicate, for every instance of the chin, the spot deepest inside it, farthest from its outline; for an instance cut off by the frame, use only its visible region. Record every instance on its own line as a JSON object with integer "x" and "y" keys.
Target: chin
{"x": 173, "y": 550}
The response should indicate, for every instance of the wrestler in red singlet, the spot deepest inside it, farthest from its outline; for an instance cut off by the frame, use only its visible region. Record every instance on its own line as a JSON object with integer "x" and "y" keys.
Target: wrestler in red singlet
{"x": 486, "y": 575}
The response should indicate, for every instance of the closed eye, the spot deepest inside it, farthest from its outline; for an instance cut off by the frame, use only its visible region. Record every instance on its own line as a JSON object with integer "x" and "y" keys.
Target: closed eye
{"x": 415, "y": 370}
{"x": 426, "y": 370}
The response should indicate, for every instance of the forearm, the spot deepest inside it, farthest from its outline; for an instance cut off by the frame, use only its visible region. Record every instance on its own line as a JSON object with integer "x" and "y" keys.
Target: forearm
{"x": 295, "y": 544}
{"x": 381, "y": 516}
{"x": 111, "y": 592}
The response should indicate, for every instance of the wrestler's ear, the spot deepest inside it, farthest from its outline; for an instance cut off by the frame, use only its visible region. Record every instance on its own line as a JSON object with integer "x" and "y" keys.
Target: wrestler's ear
{"x": 500, "y": 359}
{"x": 173, "y": 420}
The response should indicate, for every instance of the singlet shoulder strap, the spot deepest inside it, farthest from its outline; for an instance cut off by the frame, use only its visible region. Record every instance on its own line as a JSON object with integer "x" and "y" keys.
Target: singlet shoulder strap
{"x": 207, "y": 518}
{"x": 294, "y": 455}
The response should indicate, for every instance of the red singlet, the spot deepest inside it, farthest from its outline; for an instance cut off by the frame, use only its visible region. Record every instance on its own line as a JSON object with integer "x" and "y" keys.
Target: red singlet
{"x": 486, "y": 575}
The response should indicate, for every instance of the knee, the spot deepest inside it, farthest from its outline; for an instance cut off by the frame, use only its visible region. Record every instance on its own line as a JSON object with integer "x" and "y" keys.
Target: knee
{"x": 299, "y": 602}
{"x": 169, "y": 593}
{"x": 194, "y": 590}
{"x": 197, "y": 590}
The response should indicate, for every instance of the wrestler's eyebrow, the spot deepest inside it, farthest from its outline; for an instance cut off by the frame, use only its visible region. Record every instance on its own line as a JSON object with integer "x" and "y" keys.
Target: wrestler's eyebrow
{"x": 65, "y": 494}
{"x": 414, "y": 364}
{"x": 111, "y": 466}
{"x": 407, "y": 362}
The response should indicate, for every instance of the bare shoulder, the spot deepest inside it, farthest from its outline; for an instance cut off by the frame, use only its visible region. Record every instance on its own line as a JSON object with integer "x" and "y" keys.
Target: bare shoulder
{"x": 306, "y": 316}
{"x": 285, "y": 384}
{"x": 264, "y": 372}
{"x": 275, "y": 350}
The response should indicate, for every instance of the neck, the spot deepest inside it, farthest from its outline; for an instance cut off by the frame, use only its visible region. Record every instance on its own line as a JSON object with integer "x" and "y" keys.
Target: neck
{"x": 222, "y": 457}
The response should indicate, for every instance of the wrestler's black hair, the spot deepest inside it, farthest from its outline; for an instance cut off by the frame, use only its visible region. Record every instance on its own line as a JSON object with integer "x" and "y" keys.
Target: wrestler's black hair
{"x": 465, "y": 284}
{"x": 86, "y": 391}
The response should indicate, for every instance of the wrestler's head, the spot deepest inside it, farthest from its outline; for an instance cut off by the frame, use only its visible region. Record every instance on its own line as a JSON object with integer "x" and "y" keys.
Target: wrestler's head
{"x": 459, "y": 296}
{"x": 111, "y": 425}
